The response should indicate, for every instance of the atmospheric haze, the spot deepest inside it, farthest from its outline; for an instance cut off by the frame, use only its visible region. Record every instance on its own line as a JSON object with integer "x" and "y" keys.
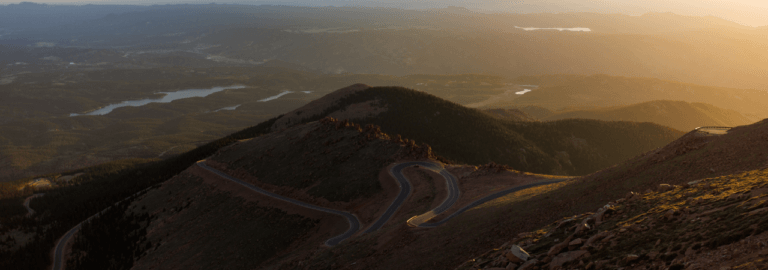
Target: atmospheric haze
{"x": 746, "y": 12}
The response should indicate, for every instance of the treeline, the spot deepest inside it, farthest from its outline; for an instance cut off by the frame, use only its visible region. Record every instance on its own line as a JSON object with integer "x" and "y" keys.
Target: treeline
{"x": 109, "y": 241}
{"x": 100, "y": 187}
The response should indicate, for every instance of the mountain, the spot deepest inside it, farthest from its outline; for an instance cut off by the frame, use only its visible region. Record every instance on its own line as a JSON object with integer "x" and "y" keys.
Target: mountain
{"x": 699, "y": 179}
{"x": 330, "y": 163}
{"x": 536, "y": 111}
{"x": 484, "y": 230}
{"x": 580, "y": 146}
{"x": 470, "y": 136}
{"x": 679, "y": 115}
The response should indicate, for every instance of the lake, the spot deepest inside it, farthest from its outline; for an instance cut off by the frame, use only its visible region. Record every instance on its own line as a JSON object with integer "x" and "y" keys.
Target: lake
{"x": 575, "y": 29}
{"x": 169, "y": 96}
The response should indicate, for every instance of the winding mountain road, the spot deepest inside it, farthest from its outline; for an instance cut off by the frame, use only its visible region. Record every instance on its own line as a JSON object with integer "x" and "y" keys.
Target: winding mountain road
{"x": 452, "y": 188}
{"x": 487, "y": 199}
{"x": 396, "y": 171}
{"x": 354, "y": 223}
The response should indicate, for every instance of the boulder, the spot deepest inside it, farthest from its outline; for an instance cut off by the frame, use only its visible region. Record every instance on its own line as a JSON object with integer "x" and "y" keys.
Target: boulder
{"x": 516, "y": 254}
{"x": 670, "y": 215}
{"x": 632, "y": 257}
{"x": 528, "y": 265}
{"x": 601, "y": 213}
{"x": 596, "y": 237}
{"x": 567, "y": 257}
{"x": 664, "y": 187}
{"x": 576, "y": 242}
{"x": 511, "y": 266}
{"x": 554, "y": 250}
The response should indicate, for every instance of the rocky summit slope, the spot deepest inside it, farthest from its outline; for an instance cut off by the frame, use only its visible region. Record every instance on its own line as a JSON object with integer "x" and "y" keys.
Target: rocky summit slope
{"x": 712, "y": 223}
{"x": 699, "y": 203}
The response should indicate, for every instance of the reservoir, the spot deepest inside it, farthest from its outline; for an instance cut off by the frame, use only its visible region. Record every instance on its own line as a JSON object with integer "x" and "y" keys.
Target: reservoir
{"x": 169, "y": 96}
{"x": 575, "y": 29}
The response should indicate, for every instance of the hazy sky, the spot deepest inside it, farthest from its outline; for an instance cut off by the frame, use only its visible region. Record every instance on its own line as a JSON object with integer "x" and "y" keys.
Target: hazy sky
{"x": 748, "y": 12}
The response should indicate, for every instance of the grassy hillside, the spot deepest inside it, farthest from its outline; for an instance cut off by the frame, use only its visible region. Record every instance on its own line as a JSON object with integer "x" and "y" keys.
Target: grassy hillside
{"x": 186, "y": 211}
{"x": 471, "y": 136}
{"x": 71, "y": 202}
{"x": 679, "y": 115}
{"x": 335, "y": 160}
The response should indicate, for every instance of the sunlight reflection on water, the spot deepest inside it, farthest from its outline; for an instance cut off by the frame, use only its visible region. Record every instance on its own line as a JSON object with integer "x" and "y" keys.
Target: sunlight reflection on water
{"x": 169, "y": 96}
{"x": 575, "y": 29}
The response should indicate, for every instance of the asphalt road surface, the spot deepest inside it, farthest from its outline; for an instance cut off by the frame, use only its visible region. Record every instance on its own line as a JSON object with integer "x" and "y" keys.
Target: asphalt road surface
{"x": 58, "y": 258}
{"x": 451, "y": 185}
{"x": 405, "y": 190}
{"x": 487, "y": 199}
{"x": 354, "y": 223}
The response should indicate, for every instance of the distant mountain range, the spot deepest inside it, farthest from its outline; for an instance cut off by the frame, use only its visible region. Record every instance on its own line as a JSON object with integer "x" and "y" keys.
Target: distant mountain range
{"x": 600, "y": 91}
{"x": 701, "y": 50}
{"x": 679, "y": 115}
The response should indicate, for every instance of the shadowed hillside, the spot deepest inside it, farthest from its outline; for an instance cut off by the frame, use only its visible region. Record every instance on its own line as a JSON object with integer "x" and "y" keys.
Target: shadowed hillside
{"x": 471, "y": 136}
{"x": 679, "y": 115}
{"x": 696, "y": 180}
{"x": 511, "y": 115}
{"x": 722, "y": 201}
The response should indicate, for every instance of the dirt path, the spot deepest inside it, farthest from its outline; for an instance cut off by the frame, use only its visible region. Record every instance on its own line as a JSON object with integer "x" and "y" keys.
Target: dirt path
{"x": 31, "y": 212}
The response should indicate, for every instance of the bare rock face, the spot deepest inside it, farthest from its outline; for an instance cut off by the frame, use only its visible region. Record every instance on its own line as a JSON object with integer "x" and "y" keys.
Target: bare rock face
{"x": 566, "y": 257}
{"x": 516, "y": 254}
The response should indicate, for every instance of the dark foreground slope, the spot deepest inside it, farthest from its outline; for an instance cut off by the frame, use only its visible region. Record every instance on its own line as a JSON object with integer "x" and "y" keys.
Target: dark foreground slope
{"x": 700, "y": 204}
{"x": 471, "y": 136}
{"x": 679, "y": 115}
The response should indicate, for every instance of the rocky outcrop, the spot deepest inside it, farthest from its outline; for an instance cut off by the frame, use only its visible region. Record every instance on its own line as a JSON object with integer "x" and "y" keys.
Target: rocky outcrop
{"x": 677, "y": 227}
